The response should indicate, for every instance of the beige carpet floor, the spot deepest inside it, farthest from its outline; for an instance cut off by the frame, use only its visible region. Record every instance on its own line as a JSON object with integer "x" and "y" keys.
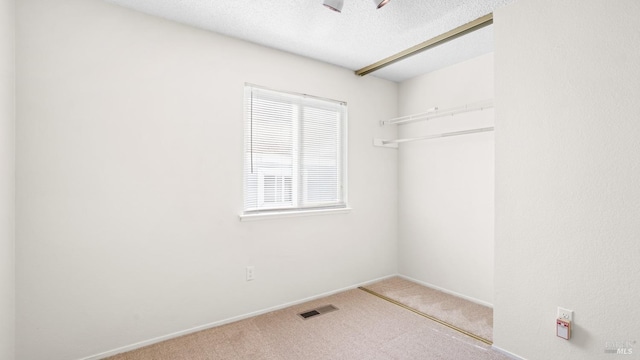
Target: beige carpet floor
{"x": 474, "y": 318}
{"x": 363, "y": 327}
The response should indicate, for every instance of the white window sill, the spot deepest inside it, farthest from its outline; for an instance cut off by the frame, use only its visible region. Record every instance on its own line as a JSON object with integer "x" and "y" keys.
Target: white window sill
{"x": 287, "y": 214}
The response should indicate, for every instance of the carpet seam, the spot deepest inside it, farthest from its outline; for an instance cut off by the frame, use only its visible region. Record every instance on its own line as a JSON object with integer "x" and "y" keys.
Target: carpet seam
{"x": 427, "y": 316}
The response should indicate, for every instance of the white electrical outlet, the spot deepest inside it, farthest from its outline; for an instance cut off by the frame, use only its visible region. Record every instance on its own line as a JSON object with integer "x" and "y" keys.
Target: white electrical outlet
{"x": 565, "y": 314}
{"x": 251, "y": 272}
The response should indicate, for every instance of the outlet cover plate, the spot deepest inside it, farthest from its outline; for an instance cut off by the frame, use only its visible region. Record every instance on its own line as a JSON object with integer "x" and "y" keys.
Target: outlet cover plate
{"x": 251, "y": 273}
{"x": 565, "y": 314}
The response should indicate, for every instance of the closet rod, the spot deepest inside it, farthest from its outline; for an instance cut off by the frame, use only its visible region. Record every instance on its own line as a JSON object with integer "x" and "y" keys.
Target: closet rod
{"x": 435, "y": 113}
{"x": 436, "y": 136}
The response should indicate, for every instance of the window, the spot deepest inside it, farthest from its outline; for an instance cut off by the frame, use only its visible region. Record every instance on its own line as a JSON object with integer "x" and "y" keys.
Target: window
{"x": 294, "y": 157}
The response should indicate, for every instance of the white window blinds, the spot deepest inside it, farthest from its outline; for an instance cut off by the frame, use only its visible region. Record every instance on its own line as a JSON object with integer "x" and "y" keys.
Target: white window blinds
{"x": 294, "y": 152}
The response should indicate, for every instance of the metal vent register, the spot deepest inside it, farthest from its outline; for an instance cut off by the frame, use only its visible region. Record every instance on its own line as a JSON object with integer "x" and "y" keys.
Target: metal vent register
{"x": 318, "y": 311}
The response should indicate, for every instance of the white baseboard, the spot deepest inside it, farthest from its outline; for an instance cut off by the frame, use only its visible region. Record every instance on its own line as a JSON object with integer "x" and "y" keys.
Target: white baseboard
{"x": 472, "y": 299}
{"x": 507, "y": 353}
{"x": 141, "y": 344}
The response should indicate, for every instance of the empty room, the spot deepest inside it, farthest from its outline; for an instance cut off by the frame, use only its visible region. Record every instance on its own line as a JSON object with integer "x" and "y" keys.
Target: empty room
{"x": 319, "y": 179}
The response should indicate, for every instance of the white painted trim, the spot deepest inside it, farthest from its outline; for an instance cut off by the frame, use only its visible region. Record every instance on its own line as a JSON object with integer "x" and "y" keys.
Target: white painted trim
{"x": 286, "y": 214}
{"x": 472, "y": 299}
{"x": 174, "y": 335}
{"x": 507, "y": 353}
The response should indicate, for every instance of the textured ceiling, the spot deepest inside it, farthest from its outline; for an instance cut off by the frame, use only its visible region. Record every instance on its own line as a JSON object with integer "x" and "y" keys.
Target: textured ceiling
{"x": 355, "y": 38}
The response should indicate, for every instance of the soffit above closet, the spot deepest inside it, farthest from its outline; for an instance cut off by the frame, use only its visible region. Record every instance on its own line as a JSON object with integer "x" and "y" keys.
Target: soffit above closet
{"x": 357, "y": 37}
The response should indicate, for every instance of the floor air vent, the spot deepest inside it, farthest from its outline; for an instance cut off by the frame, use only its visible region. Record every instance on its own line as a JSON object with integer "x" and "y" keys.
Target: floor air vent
{"x": 318, "y": 311}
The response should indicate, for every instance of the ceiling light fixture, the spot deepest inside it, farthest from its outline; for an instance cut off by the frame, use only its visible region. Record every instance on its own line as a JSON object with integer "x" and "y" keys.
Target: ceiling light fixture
{"x": 335, "y": 5}
{"x": 380, "y": 3}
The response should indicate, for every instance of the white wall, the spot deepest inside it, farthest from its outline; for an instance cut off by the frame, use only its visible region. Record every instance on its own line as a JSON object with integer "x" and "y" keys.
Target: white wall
{"x": 7, "y": 179}
{"x": 129, "y": 173}
{"x": 446, "y": 203}
{"x": 567, "y": 176}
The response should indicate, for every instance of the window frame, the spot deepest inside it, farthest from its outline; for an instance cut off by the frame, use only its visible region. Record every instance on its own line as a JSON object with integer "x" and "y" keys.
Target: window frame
{"x": 298, "y": 208}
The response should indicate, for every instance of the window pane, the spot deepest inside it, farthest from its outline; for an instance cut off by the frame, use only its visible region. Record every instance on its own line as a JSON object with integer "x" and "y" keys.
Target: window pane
{"x": 321, "y": 155}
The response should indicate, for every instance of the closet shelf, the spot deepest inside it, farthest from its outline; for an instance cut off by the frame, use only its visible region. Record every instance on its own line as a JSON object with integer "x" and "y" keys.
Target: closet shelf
{"x": 432, "y": 114}
{"x": 436, "y": 113}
